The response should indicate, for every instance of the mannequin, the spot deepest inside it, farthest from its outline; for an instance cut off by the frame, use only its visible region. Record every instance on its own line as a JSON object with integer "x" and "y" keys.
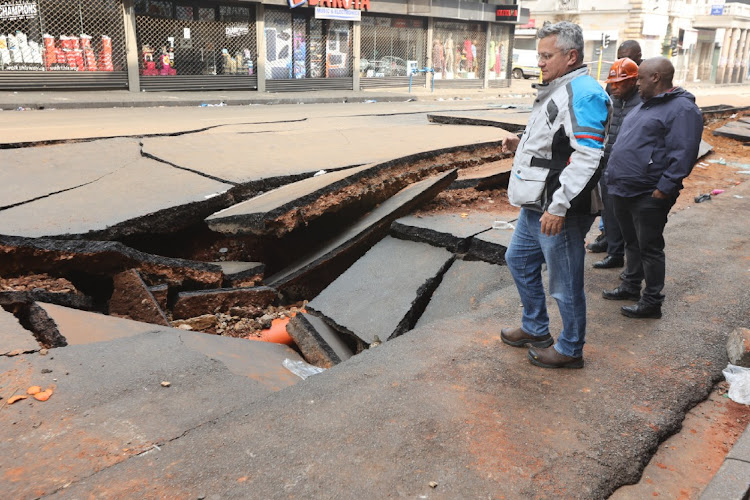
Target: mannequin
{"x": 438, "y": 56}
{"x": 450, "y": 53}
{"x": 493, "y": 56}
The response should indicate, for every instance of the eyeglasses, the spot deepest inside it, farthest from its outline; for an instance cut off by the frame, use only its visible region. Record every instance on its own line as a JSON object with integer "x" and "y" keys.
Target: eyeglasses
{"x": 546, "y": 56}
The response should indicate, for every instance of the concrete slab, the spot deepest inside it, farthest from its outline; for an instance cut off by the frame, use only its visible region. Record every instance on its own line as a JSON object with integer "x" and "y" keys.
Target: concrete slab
{"x": 238, "y": 273}
{"x": 490, "y": 246}
{"x": 197, "y": 303}
{"x": 109, "y": 406}
{"x": 466, "y": 288}
{"x": 32, "y": 173}
{"x": 492, "y": 175}
{"x": 241, "y": 158}
{"x": 741, "y": 448}
{"x": 510, "y": 121}
{"x": 15, "y": 339}
{"x": 257, "y": 215}
{"x": 73, "y": 300}
{"x": 101, "y": 258}
{"x": 732, "y": 482}
{"x": 320, "y": 344}
{"x": 704, "y": 149}
{"x": 447, "y": 230}
{"x": 100, "y": 208}
{"x": 739, "y": 131}
{"x": 383, "y": 294}
{"x": 131, "y": 299}
{"x": 82, "y": 327}
{"x": 306, "y": 277}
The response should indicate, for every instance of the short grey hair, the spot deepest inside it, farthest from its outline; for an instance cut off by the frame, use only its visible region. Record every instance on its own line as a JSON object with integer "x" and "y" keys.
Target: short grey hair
{"x": 569, "y": 36}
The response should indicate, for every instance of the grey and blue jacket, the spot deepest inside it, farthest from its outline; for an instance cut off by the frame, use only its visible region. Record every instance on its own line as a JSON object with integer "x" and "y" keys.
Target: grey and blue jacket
{"x": 557, "y": 162}
{"x": 657, "y": 146}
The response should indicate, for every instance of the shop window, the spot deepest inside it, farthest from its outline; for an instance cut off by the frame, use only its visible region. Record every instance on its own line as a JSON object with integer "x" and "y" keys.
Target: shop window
{"x": 60, "y": 35}
{"x": 234, "y": 14}
{"x": 155, "y": 8}
{"x": 206, "y": 14}
{"x": 392, "y": 46}
{"x": 458, "y": 50}
{"x": 183, "y": 12}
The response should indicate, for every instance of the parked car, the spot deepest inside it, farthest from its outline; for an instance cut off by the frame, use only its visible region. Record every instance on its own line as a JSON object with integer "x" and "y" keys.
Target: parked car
{"x": 525, "y": 64}
{"x": 386, "y": 66}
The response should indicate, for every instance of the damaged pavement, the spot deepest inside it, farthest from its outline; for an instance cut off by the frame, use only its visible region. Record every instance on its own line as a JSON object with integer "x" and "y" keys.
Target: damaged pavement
{"x": 400, "y": 301}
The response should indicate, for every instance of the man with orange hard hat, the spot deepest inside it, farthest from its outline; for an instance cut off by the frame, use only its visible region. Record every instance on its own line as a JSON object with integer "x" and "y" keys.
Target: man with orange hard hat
{"x": 625, "y": 97}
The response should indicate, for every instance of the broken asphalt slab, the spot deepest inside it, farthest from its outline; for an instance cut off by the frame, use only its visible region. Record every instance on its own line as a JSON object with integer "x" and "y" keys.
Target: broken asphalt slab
{"x": 242, "y": 158}
{"x": 491, "y": 245}
{"x": 109, "y": 404}
{"x": 195, "y": 303}
{"x": 238, "y": 273}
{"x": 131, "y": 299}
{"x": 512, "y": 121}
{"x": 320, "y": 344}
{"x": 62, "y": 257}
{"x": 307, "y": 276}
{"x": 15, "y": 339}
{"x": 466, "y": 287}
{"x": 383, "y": 294}
{"x": 449, "y": 403}
{"x": 350, "y": 191}
{"x": 141, "y": 196}
{"x": 739, "y": 131}
{"x": 448, "y": 230}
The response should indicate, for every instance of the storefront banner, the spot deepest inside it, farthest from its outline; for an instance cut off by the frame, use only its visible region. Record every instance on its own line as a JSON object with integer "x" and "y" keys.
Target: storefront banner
{"x": 12, "y": 11}
{"x": 717, "y": 10}
{"x": 234, "y": 30}
{"x": 338, "y": 14}
{"x": 507, "y": 13}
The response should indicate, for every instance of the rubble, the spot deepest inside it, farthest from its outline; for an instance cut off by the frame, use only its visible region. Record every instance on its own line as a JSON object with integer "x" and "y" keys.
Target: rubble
{"x": 195, "y": 303}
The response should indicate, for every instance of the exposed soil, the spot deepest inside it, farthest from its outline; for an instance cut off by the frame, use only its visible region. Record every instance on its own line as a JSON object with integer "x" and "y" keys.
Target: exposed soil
{"x": 37, "y": 281}
{"x": 685, "y": 463}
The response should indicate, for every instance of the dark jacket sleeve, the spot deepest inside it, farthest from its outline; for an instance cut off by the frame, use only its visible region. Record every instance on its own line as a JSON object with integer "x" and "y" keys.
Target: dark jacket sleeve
{"x": 683, "y": 141}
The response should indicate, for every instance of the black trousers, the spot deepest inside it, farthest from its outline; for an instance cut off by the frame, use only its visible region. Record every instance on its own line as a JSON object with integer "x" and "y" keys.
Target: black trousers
{"x": 642, "y": 220}
{"x": 613, "y": 234}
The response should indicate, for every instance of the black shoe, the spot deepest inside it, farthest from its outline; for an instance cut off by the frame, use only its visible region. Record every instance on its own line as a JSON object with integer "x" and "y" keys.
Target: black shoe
{"x": 621, "y": 293}
{"x": 641, "y": 310}
{"x": 599, "y": 245}
{"x": 609, "y": 262}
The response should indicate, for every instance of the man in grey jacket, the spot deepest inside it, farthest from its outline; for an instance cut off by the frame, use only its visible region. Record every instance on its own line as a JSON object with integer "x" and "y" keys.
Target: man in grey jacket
{"x": 554, "y": 180}
{"x": 656, "y": 149}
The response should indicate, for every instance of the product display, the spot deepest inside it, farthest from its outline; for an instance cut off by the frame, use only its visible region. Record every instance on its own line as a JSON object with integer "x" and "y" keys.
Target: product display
{"x": 70, "y": 53}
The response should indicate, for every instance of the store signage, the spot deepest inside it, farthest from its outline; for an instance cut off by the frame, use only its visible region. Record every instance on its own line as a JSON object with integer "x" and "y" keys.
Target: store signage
{"x": 333, "y": 4}
{"x": 234, "y": 30}
{"x": 338, "y": 14}
{"x": 717, "y": 10}
{"x": 10, "y": 11}
{"x": 507, "y": 13}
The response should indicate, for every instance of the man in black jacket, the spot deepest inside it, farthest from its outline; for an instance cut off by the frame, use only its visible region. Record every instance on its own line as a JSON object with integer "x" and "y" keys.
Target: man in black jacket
{"x": 625, "y": 97}
{"x": 657, "y": 148}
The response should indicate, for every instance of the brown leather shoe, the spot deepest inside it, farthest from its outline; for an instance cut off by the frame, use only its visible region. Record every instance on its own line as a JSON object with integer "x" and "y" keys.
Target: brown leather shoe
{"x": 518, "y": 338}
{"x": 550, "y": 358}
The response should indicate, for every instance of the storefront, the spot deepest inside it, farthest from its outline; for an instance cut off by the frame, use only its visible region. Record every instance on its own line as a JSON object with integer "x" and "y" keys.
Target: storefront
{"x": 273, "y": 45}
{"x": 392, "y": 48}
{"x": 304, "y": 52}
{"x": 46, "y": 44}
{"x": 196, "y": 45}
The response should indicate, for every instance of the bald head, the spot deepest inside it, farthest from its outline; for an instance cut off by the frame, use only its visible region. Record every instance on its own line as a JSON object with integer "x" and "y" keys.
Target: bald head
{"x": 630, "y": 49}
{"x": 654, "y": 77}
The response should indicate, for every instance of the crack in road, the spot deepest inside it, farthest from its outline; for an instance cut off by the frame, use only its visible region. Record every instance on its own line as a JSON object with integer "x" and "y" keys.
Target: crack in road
{"x": 25, "y": 202}
{"x": 197, "y": 172}
{"x": 56, "y": 142}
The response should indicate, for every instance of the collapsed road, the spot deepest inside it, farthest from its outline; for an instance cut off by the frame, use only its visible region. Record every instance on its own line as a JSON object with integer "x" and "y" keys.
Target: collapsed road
{"x": 411, "y": 300}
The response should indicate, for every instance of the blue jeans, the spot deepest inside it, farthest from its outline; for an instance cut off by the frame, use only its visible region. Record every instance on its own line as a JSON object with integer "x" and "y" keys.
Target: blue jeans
{"x": 564, "y": 254}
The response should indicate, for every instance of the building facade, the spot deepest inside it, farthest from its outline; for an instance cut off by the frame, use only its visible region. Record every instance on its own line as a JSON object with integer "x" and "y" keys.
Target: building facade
{"x": 707, "y": 40}
{"x": 266, "y": 45}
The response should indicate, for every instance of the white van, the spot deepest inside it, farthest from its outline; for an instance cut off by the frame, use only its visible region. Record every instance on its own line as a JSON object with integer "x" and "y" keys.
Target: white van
{"x": 525, "y": 64}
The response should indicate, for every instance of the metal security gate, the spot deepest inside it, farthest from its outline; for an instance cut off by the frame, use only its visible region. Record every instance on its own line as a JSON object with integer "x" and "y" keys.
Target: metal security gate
{"x": 62, "y": 44}
{"x": 459, "y": 54}
{"x": 498, "y": 71}
{"x": 195, "y": 45}
{"x": 304, "y": 53}
{"x": 391, "y": 49}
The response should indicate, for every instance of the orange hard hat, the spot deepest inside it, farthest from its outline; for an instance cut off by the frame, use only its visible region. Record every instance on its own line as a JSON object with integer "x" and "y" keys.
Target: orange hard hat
{"x": 621, "y": 70}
